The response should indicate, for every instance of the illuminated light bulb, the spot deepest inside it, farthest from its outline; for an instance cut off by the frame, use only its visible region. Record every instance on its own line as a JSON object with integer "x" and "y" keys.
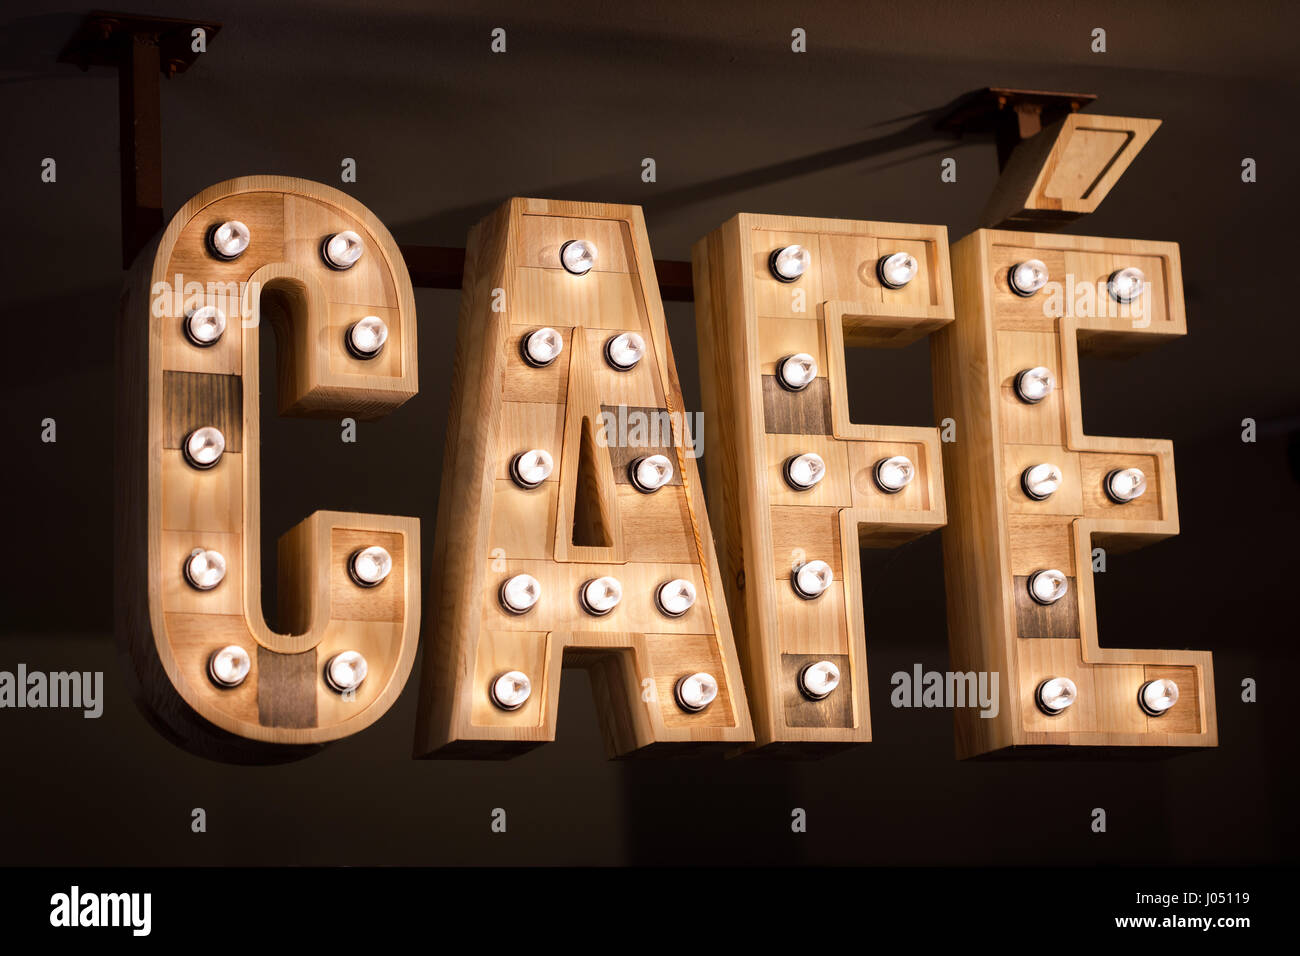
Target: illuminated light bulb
{"x": 511, "y": 690}
{"x": 1035, "y": 384}
{"x": 578, "y": 256}
{"x": 342, "y": 250}
{"x": 530, "y": 468}
{"x": 203, "y": 326}
{"x": 624, "y": 351}
{"x": 1048, "y": 586}
{"x": 1157, "y": 696}
{"x": 650, "y": 473}
{"x": 204, "y": 570}
{"x": 228, "y": 240}
{"x": 696, "y": 691}
{"x": 1125, "y": 285}
{"x": 366, "y": 338}
{"x": 519, "y": 594}
{"x": 811, "y": 579}
{"x": 1125, "y": 484}
{"x": 229, "y": 665}
{"x": 1040, "y": 482}
{"x": 345, "y": 672}
{"x": 789, "y": 263}
{"x": 368, "y": 567}
{"x": 599, "y": 596}
{"x": 804, "y": 471}
{"x": 897, "y": 270}
{"x": 816, "y": 681}
{"x": 204, "y": 447}
{"x": 542, "y": 346}
{"x": 675, "y": 597}
{"x": 1026, "y": 278}
{"x": 894, "y": 474}
{"x": 796, "y": 372}
{"x": 1055, "y": 694}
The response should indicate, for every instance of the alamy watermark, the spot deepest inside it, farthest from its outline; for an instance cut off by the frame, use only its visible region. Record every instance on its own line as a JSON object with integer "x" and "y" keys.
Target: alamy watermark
{"x": 626, "y": 427}
{"x": 922, "y": 688}
{"x": 75, "y": 690}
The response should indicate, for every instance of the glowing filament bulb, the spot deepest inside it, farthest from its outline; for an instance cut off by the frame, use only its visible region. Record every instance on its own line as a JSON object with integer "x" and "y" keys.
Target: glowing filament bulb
{"x": 811, "y": 579}
{"x": 599, "y": 596}
{"x": 205, "y": 569}
{"x": 204, "y": 447}
{"x": 1026, "y": 278}
{"x": 229, "y": 665}
{"x": 578, "y": 256}
{"x": 674, "y": 598}
{"x": 897, "y": 270}
{"x": 530, "y": 468}
{"x": 228, "y": 240}
{"x": 342, "y": 250}
{"x": 695, "y": 692}
{"x": 804, "y": 471}
{"x": 1125, "y": 285}
{"x": 1125, "y": 484}
{"x": 520, "y": 593}
{"x": 1040, "y": 482}
{"x": 345, "y": 672}
{"x": 1157, "y": 696}
{"x": 894, "y": 474}
{"x": 511, "y": 690}
{"x": 650, "y": 473}
{"x": 205, "y": 325}
{"x": 1055, "y": 694}
{"x": 369, "y": 567}
{"x": 1035, "y": 384}
{"x": 1048, "y": 586}
{"x": 366, "y": 338}
{"x": 816, "y": 681}
{"x": 624, "y": 351}
{"x": 789, "y": 263}
{"x": 796, "y": 372}
{"x": 542, "y": 346}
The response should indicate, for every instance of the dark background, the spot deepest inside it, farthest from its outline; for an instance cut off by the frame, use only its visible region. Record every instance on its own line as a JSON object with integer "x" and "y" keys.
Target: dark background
{"x": 442, "y": 131}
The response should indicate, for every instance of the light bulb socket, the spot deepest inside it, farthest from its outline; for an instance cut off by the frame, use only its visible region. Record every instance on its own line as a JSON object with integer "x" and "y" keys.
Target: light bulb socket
{"x": 1046, "y": 708}
{"x": 1015, "y": 286}
{"x": 235, "y": 652}
{"x": 884, "y": 278}
{"x": 1028, "y": 490}
{"x": 659, "y": 600}
{"x": 1110, "y": 491}
{"x": 576, "y": 272}
{"x": 356, "y": 352}
{"x": 209, "y": 240}
{"x": 783, "y": 382}
{"x": 1033, "y": 593}
{"x": 187, "y": 327}
{"x": 680, "y": 697}
{"x": 803, "y": 682}
{"x": 1147, "y": 708}
{"x": 1025, "y": 396}
{"x": 787, "y": 470}
{"x": 771, "y": 267}
{"x": 515, "y": 677}
{"x": 195, "y": 463}
{"x": 587, "y": 606}
{"x": 355, "y": 556}
{"x": 632, "y": 476}
{"x": 506, "y": 605}
{"x": 517, "y": 477}
{"x": 523, "y": 350}
{"x": 329, "y": 261}
{"x": 877, "y": 472}
{"x": 612, "y": 362}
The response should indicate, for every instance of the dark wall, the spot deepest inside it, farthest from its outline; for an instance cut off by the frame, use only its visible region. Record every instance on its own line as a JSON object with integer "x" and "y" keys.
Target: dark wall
{"x": 442, "y": 131}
